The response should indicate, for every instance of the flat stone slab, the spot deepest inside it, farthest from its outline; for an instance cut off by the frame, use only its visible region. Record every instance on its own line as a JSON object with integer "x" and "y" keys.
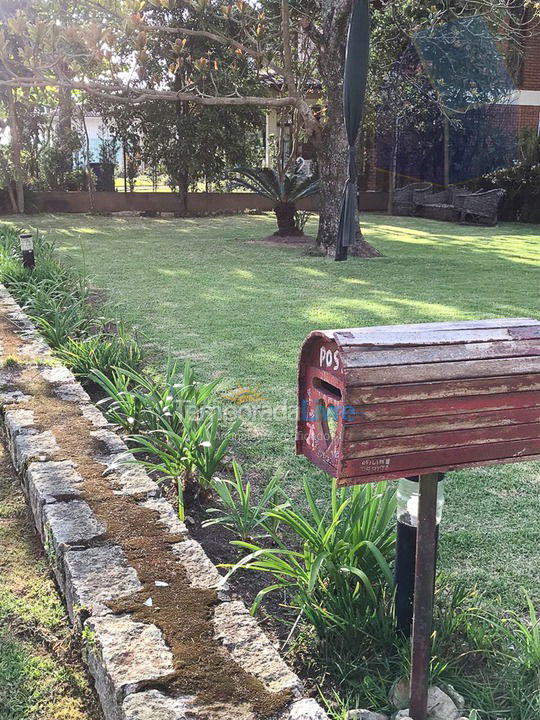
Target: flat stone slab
{"x": 96, "y": 576}
{"x": 32, "y": 446}
{"x": 17, "y": 421}
{"x": 52, "y": 481}
{"x": 123, "y": 655}
{"x": 201, "y": 571}
{"x": 132, "y": 480}
{"x": 305, "y": 709}
{"x": 109, "y": 446}
{"x": 251, "y": 649}
{"x": 167, "y": 517}
{"x": 153, "y": 705}
{"x": 91, "y": 413}
{"x": 69, "y": 523}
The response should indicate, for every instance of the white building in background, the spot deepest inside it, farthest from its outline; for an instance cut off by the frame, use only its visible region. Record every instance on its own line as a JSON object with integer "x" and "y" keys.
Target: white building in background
{"x": 97, "y": 132}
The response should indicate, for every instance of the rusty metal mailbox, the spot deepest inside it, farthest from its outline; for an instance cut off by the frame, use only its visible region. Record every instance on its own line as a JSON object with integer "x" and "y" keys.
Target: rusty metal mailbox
{"x": 378, "y": 403}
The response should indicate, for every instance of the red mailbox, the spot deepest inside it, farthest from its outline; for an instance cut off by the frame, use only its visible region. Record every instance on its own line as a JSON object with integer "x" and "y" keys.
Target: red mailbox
{"x": 378, "y": 403}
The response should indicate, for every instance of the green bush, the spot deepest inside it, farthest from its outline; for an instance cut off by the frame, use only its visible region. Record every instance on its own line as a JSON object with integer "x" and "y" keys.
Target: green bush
{"x": 103, "y": 351}
{"x": 188, "y": 457}
{"x": 139, "y": 401}
{"x": 340, "y": 573}
{"x": 235, "y": 510}
{"x": 521, "y": 183}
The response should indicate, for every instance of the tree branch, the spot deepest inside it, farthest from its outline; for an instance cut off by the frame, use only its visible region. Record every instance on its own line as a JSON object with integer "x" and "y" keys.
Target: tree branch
{"x": 124, "y": 94}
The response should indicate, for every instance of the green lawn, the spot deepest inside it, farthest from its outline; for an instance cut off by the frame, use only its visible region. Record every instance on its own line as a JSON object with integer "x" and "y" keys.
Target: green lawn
{"x": 240, "y": 309}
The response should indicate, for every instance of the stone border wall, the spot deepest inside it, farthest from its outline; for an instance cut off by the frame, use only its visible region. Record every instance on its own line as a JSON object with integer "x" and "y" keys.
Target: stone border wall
{"x": 130, "y": 661}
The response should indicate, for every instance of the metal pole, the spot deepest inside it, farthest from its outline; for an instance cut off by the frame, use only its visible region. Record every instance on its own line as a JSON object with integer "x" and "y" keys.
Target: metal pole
{"x": 426, "y": 553}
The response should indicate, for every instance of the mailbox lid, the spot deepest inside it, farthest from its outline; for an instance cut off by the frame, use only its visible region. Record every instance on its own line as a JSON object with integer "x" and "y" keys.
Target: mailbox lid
{"x": 438, "y": 396}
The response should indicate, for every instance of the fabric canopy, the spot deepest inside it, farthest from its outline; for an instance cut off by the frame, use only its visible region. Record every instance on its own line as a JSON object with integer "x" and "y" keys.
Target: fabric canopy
{"x": 354, "y": 90}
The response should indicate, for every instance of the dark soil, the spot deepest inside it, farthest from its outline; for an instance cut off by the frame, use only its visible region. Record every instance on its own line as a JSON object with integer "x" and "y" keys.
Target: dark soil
{"x": 286, "y": 240}
{"x": 274, "y": 614}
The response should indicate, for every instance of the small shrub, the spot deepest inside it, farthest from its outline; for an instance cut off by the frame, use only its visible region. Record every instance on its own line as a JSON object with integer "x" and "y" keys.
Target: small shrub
{"x": 210, "y": 445}
{"x": 340, "y": 573}
{"x": 61, "y": 321}
{"x": 150, "y": 404}
{"x": 189, "y": 457}
{"x": 235, "y": 510}
{"x": 168, "y": 401}
{"x": 173, "y": 461}
{"x": 102, "y": 351}
{"x": 122, "y": 406}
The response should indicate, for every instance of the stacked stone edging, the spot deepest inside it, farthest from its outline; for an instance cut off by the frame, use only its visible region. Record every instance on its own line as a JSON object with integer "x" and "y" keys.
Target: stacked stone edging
{"x": 129, "y": 660}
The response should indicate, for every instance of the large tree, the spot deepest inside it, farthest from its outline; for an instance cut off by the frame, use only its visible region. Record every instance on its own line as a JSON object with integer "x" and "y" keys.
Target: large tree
{"x": 288, "y": 45}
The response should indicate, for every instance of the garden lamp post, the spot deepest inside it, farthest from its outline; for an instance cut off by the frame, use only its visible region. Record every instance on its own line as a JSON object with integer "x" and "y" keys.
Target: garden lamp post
{"x": 27, "y": 248}
{"x": 354, "y": 90}
{"x": 408, "y": 495}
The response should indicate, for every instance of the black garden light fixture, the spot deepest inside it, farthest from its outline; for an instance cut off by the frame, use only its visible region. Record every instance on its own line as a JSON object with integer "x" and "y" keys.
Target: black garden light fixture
{"x": 27, "y": 248}
{"x": 354, "y": 90}
{"x": 408, "y": 496}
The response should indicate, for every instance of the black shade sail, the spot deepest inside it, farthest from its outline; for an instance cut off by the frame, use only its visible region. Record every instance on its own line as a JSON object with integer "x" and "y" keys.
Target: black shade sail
{"x": 354, "y": 90}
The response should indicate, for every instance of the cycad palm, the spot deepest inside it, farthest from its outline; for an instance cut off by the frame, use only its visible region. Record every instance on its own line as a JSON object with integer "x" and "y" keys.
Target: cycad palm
{"x": 284, "y": 191}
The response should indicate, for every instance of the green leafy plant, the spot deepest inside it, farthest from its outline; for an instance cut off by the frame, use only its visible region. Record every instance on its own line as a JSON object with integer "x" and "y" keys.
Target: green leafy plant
{"x": 236, "y": 511}
{"x": 122, "y": 406}
{"x": 58, "y": 320}
{"x": 150, "y": 403}
{"x": 169, "y": 455}
{"x": 168, "y": 400}
{"x": 341, "y": 570}
{"x": 210, "y": 446}
{"x": 102, "y": 351}
{"x": 284, "y": 190}
{"x": 188, "y": 457}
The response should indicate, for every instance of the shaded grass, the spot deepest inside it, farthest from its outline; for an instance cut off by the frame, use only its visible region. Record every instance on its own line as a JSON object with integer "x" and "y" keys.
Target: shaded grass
{"x": 200, "y": 288}
{"x": 40, "y": 673}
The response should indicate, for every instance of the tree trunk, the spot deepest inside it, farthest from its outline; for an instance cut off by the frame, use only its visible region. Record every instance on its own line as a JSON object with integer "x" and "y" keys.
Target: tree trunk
{"x": 12, "y": 198}
{"x": 332, "y": 153}
{"x": 89, "y": 173}
{"x": 183, "y": 187}
{"x": 332, "y": 145}
{"x": 285, "y": 215}
{"x": 16, "y": 152}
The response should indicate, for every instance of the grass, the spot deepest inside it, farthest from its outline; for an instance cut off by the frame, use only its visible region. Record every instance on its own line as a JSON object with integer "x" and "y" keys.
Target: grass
{"x": 41, "y": 676}
{"x": 199, "y": 288}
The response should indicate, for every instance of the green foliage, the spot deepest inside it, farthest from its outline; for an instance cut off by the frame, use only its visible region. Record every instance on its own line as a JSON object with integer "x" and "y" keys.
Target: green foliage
{"x": 139, "y": 401}
{"x": 209, "y": 453}
{"x": 235, "y": 510}
{"x": 188, "y": 457}
{"x": 50, "y": 277}
{"x": 289, "y": 188}
{"x": 341, "y": 572}
{"x": 56, "y": 164}
{"x": 102, "y": 351}
{"x": 122, "y": 406}
{"x": 521, "y": 183}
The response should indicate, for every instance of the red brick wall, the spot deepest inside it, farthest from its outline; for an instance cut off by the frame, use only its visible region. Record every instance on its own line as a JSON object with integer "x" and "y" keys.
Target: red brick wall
{"x": 528, "y": 117}
{"x": 530, "y": 74}
{"x": 198, "y": 203}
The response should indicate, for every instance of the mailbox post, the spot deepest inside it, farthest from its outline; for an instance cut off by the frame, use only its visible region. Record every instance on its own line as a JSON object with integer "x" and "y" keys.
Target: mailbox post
{"x": 420, "y": 400}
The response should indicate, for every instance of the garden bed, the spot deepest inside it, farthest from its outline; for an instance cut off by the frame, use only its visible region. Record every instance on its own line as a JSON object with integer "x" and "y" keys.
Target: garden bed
{"x": 142, "y": 592}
